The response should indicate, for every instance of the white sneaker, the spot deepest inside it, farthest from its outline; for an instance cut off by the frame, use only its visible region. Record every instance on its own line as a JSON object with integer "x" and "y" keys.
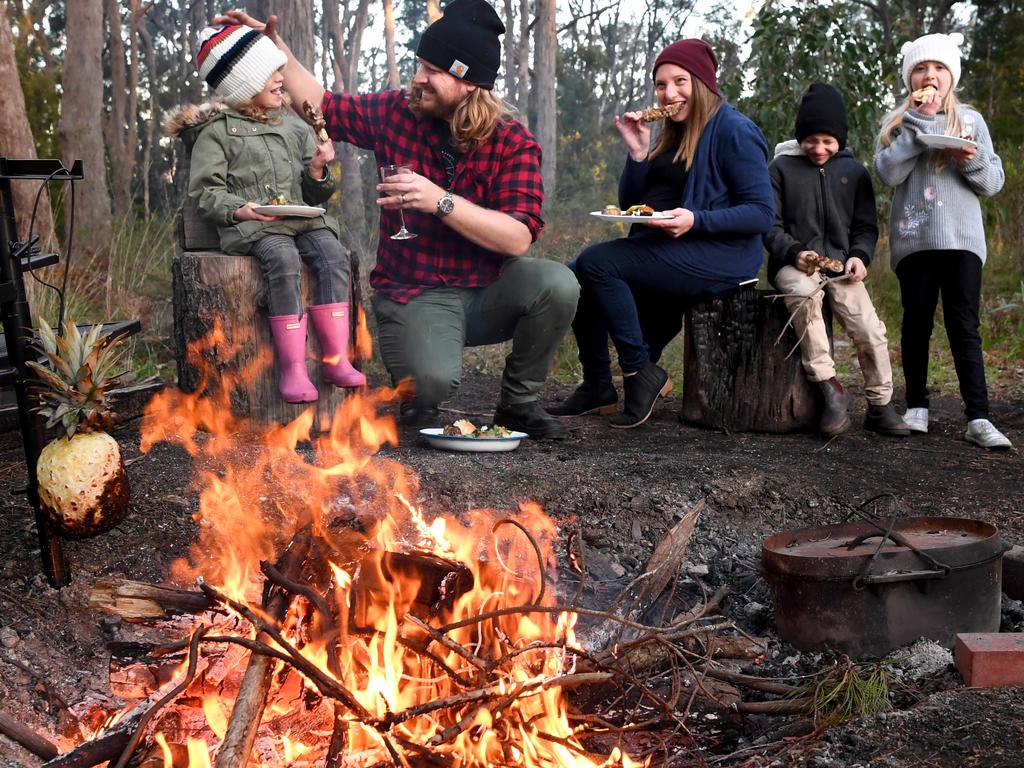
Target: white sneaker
{"x": 981, "y": 432}
{"x": 916, "y": 419}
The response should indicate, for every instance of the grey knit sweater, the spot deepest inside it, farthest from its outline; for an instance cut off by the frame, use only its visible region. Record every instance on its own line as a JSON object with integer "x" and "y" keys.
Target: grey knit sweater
{"x": 937, "y": 210}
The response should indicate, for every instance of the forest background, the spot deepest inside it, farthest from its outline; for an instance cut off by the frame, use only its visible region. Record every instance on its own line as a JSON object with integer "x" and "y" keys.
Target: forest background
{"x": 95, "y": 79}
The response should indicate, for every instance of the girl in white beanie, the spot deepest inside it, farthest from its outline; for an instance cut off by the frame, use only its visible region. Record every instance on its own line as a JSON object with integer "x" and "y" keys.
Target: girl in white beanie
{"x": 247, "y": 149}
{"x": 938, "y": 156}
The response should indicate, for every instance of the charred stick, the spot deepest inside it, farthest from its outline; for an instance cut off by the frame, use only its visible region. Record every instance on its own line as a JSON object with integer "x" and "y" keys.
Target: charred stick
{"x": 516, "y": 609}
{"x": 450, "y": 644}
{"x": 750, "y": 681}
{"x": 252, "y": 693}
{"x": 139, "y": 601}
{"x": 452, "y": 731}
{"x": 190, "y": 673}
{"x": 339, "y": 738}
{"x": 577, "y": 558}
{"x": 328, "y": 686}
{"x": 536, "y": 550}
{"x": 455, "y": 676}
{"x": 29, "y": 739}
{"x": 778, "y": 707}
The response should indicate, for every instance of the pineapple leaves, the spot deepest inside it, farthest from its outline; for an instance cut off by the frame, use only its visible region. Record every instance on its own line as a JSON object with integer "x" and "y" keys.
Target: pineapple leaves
{"x": 74, "y": 376}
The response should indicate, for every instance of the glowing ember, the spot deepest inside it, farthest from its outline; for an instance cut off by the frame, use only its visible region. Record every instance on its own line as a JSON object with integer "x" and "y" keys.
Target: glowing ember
{"x": 379, "y": 584}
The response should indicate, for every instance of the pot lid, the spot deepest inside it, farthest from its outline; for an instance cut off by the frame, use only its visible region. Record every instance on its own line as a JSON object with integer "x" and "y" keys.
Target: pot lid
{"x": 837, "y": 552}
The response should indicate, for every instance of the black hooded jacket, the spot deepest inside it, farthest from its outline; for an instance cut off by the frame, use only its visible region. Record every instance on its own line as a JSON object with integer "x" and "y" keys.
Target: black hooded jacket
{"x": 829, "y": 209}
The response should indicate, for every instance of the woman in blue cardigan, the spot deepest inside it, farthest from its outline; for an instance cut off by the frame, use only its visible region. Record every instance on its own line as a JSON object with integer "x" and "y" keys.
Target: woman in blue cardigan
{"x": 708, "y": 171}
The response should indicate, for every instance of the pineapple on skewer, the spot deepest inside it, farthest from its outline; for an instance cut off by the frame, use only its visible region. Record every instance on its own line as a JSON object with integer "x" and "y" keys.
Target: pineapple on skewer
{"x": 83, "y": 486}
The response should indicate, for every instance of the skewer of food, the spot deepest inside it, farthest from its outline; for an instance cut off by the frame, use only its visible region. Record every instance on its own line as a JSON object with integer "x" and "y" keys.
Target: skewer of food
{"x": 315, "y": 118}
{"x": 816, "y": 261}
{"x": 923, "y": 95}
{"x": 660, "y": 113}
{"x": 276, "y": 198}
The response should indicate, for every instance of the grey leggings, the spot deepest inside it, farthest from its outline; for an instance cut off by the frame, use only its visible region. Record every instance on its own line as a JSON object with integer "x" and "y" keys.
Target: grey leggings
{"x": 281, "y": 258}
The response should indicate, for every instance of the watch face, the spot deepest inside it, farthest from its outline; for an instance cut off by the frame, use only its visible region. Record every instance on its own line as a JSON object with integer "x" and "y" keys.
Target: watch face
{"x": 445, "y": 205}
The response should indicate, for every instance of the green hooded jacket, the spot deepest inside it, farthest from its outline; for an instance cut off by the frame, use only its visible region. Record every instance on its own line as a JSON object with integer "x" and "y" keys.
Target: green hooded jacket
{"x": 236, "y": 160}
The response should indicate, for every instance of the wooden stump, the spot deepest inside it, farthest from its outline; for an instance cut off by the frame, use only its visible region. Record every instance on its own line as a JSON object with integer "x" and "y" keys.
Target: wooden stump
{"x": 736, "y": 378}
{"x": 211, "y": 287}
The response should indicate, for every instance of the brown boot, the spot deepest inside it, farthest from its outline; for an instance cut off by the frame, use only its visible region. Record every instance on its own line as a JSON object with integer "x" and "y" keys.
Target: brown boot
{"x": 834, "y": 419}
{"x": 884, "y": 420}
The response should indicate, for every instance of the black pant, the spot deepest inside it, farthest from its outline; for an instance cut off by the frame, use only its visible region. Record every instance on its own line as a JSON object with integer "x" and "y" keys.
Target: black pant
{"x": 957, "y": 276}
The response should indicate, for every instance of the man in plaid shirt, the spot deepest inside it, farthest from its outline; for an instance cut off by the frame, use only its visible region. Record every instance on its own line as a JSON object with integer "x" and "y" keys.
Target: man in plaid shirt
{"x": 472, "y": 194}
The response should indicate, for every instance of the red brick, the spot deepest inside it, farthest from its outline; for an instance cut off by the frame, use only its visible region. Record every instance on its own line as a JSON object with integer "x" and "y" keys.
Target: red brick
{"x": 990, "y": 659}
{"x": 1013, "y": 573}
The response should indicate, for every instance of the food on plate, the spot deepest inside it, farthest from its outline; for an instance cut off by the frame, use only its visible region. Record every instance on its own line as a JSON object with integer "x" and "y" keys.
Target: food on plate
{"x": 816, "y": 261}
{"x": 316, "y": 118}
{"x": 639, "y": 210}
{"x": 923, "y": 95}
{"x": 660, "y": 113}
{"x": 466, "y": 428}
{"x": 611, "y": 210}
{"x": 276, "y": 198}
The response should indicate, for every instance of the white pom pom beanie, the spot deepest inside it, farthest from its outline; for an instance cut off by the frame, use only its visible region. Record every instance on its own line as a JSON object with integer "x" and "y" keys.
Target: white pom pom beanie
{"x": 237, "y": 61}
{"x": 944, "y": 49}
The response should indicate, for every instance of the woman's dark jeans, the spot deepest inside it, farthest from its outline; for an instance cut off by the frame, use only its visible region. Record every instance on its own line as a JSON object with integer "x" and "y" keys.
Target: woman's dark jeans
{"x": 956, "y": 275}
{"x": 633, "y": 295}
{"x": 281, "y": 258}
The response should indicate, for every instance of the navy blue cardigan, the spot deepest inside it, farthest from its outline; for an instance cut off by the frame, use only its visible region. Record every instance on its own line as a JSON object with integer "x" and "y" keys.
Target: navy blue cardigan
{"x": 730, "y": 194}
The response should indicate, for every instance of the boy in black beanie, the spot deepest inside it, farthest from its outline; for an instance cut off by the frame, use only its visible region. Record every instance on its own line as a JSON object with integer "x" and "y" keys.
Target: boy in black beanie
{"x": 825, "y": 221}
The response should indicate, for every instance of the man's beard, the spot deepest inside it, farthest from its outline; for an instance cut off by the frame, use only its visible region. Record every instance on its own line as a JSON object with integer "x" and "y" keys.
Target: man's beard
{"x": 434, "y": 109}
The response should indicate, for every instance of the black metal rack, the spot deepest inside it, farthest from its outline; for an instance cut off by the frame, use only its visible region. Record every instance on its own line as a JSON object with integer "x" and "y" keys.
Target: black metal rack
{"x": 16, "y": 258}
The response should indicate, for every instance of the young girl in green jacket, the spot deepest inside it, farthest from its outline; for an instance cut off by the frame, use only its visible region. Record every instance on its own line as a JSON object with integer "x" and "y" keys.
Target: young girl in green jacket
{"x": 250, "y": 151}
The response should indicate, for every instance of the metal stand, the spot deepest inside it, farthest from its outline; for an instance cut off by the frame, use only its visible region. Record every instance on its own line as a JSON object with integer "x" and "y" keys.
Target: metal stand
{"x": 15, "y": 259}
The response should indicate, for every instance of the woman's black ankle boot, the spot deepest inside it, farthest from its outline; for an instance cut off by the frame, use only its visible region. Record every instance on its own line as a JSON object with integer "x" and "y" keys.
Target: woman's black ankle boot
{"x": 641, "y": 391}
{"x": 587, "y": 398}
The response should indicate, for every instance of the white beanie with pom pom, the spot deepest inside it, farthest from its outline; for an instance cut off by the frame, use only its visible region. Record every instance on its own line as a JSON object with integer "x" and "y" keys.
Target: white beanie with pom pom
{"x": 944, "y": 49}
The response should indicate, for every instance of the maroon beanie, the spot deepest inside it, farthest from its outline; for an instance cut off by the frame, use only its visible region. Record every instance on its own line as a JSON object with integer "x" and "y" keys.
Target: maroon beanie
{"x": 696, "y": 57}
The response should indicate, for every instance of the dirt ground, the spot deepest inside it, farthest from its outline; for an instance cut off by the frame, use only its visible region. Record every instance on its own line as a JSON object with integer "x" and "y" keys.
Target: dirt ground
{"x": 624, "y": 489}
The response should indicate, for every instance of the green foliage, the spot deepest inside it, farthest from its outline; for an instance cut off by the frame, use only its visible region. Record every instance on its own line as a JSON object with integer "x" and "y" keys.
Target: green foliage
{"x": 42, "y": 99}
{"x": 848, "y": 692}
{"x": 994, "y": 73}
{"x": 833, "y": 42}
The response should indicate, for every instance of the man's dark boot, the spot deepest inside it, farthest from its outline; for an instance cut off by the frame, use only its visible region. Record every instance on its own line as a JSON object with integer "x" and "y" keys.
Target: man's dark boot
{"x": 588, "y": 398}
{"x": 530, "y": 418}
{"x": 884, "y": 420}
{"x": 835, "y": 418}
{"x": 641, "y": 391}
{"x": 412, "y": 415}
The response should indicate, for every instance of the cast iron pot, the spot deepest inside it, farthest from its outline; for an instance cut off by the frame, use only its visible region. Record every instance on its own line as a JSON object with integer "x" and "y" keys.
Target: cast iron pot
{"x": 863, "y": 589}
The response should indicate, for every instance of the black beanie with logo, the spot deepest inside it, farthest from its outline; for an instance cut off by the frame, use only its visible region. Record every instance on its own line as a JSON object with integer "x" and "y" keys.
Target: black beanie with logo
{"x": 822, "y": 111}
{"x": 464, "y": 42}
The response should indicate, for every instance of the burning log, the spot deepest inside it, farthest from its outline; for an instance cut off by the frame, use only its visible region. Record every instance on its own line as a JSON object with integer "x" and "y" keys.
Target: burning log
{"x": 138, "y": 601}
{"x": 29, "y": 739}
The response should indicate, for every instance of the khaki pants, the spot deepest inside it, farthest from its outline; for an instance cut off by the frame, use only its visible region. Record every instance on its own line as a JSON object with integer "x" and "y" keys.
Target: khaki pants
{"x": 853, "y": 307}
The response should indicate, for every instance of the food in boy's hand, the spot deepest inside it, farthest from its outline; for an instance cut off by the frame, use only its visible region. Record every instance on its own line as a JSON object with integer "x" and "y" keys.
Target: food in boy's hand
{"x": 639, "y": 210}
{"x": 466, "y": 428}
{"x": 611, "y": 210}
{"x": 816, "y": 261}
{"x": 923, "y": 95}
{"x": 316, "y": 118}
{"x": 660, "y": 113}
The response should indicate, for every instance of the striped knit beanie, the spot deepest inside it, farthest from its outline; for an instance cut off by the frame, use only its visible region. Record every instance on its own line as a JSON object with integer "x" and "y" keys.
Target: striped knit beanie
{"x": 237, "y": 61}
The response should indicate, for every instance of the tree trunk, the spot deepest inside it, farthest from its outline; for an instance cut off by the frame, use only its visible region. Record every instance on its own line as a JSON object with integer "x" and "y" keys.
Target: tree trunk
{"x": 522, "y": 95}
{"x": 736, "y": 376}
{"x": 353, "y": 211}
{"x": 389, "y": 44}
{"x": 81, "y": 120}
{"x": 545, "y": 86}
{"x": 295, "y": 23}
{"x": 121, "y": 127}
{"x": 17, "y": 142}
{"x": 511, "y": 52}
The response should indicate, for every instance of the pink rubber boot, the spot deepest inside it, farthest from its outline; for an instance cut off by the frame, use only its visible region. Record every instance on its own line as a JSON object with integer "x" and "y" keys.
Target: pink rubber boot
{"x": 290, "y": 347}
{"x": 331, "y": 323}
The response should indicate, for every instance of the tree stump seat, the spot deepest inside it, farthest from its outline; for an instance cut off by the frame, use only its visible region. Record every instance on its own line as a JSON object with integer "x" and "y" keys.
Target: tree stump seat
{"x": 736, "y": 377}
{"x": 212, "y": 289}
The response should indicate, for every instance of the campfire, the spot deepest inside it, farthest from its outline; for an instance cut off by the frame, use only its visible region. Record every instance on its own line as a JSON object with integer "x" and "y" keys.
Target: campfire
{"x": 334, "y": 624}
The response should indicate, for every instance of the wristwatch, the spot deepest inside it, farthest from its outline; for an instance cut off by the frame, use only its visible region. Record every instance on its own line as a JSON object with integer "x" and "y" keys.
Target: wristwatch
{"x": 445, "y": 205}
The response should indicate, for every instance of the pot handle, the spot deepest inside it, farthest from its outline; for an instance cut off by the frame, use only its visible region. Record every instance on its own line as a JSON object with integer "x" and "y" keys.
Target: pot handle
{"x": 891, "y": 578}
{"x": 892, "y": 535}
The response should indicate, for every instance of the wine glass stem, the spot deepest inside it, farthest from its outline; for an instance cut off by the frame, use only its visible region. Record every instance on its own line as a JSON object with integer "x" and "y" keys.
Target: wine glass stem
{"x": 401, "y": 217}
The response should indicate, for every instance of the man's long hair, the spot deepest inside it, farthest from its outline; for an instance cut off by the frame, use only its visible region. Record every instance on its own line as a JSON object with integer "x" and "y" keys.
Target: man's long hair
{"x": 682, "y": 138}
{"x": 475, "y": 117}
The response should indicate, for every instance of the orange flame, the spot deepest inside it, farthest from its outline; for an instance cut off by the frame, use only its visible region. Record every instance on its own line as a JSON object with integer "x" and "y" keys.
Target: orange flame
{"x": 258, "y": 488}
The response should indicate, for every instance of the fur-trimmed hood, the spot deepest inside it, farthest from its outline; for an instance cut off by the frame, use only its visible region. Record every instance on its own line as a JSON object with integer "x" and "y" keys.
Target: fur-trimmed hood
{"x": 189, "y": 117}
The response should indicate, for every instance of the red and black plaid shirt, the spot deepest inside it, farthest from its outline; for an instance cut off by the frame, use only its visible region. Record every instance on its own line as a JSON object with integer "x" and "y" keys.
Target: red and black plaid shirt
{"x": 501, "y": 174}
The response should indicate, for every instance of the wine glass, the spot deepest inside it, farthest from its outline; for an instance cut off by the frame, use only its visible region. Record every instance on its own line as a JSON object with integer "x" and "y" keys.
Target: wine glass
{"x": 386, "y": 171}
